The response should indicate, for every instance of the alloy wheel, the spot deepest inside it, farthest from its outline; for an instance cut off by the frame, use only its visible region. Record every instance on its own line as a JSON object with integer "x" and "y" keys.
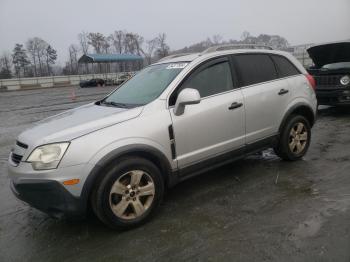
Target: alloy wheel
{"x": 132, "y": 194}
{"x": 298, "y": 137}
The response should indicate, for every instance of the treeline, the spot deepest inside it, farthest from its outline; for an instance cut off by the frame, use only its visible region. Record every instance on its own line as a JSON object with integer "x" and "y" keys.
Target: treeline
{"x": 37, "y": 57}
{"x": 275, "y": 41}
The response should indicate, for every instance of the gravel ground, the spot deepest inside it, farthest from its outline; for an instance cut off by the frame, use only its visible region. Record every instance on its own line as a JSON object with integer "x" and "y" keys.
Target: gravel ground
{"x": 256, "y": 209}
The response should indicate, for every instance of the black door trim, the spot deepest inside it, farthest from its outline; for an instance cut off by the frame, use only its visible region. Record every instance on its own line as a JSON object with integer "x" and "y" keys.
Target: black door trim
{"x": 227, "y": 157}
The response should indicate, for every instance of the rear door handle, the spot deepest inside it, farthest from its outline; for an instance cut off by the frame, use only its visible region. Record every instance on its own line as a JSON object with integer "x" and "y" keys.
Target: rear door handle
{"x": 235, "y": 105}
{"x": 283, "y": 91}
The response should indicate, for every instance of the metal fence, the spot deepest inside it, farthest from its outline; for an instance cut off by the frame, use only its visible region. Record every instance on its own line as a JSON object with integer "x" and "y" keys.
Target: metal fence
{"x": 53, "y": 81}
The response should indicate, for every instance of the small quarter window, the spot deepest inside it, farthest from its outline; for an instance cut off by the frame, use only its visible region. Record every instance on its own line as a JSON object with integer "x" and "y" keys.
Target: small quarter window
{"x": 284, "y": 66}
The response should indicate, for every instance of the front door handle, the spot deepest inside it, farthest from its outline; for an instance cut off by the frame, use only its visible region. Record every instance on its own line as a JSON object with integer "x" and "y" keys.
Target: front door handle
{"x": 283, "y": 91}
{"x": 235, "y": 105}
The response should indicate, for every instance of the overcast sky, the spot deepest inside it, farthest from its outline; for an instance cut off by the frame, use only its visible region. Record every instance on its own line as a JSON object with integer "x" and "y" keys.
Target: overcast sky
{"x": 184, "y": 21}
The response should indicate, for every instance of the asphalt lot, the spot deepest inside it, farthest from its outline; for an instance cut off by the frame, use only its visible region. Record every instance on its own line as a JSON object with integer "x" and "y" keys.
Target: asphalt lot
{"x": 256, "y": 209}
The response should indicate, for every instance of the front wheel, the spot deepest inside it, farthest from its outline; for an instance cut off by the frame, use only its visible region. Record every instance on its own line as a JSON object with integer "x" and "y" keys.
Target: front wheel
{"x": 129, "y": 193}
{"x": 294, "y": 138}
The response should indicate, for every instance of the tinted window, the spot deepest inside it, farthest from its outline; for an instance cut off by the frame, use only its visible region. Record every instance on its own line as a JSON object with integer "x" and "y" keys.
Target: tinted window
{"x": 211, "y": 80}
{"x": 285, "y": 67}
{"x": 255, "y": 68}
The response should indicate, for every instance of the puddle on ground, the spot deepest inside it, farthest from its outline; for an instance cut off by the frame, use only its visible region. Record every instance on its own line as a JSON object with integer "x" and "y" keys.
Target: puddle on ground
{"x": 267, "y": 155}
{"x": 295, "y": 188}
{"x": 308, "y": 228}
{"x": 313, "y": 224}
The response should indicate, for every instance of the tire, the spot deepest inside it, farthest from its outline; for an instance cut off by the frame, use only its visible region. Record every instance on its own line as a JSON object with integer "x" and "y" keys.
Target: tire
{"x": 294, "y": 139}
{"x": 123, "y": 198}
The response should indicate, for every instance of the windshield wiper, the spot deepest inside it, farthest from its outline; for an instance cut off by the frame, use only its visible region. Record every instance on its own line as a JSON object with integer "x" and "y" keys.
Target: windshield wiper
{"x": 115, "y": 104}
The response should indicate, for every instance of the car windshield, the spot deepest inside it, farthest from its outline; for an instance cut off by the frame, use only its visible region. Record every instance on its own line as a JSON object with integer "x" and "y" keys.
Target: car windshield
{"x": 337, "y": 65}
{"x": 145, "y": 86}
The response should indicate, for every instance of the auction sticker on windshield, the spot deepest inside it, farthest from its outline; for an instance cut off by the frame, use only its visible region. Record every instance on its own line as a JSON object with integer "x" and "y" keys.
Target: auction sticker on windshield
{"x": 177, "y": 65}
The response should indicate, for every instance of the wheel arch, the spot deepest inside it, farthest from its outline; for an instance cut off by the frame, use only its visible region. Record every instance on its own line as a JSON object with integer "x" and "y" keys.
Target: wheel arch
{"x": 144, "y": 151}
{"x": 299, "y": 109}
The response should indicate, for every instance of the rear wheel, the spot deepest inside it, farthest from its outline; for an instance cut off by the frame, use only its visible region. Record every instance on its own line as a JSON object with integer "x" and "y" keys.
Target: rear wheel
{"x": 294, "y": 139}
{"x": 129, "y": 193}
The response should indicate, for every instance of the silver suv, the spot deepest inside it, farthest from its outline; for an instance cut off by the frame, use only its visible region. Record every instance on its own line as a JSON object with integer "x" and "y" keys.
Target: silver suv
{"x": 177, "y": 118}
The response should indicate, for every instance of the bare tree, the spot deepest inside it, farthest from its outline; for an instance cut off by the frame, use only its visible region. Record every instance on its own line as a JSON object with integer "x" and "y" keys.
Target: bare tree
{"x": 97, "y": 41}
{"x": 278, "y": 42}
{"x": 245, "y": 35}
{"x": 84, "y": 42}
{"x": 163, "y": 48}
{"x": 73, "y": 59}
{"x": 106, "y": 46}
{"x": 40, "y": 52}
{"x": 117, "y": 40}
{"x": 217, "y": 39}
{"x": 151, "y": 46}
{"x": 37, "y": 49}
{"x": 31, "y": 47}
{"x": 128, "y": 44}
{"x": 5, "y": 66}
{"x": 84, "y": 45}
{"x": 137, "y": 42}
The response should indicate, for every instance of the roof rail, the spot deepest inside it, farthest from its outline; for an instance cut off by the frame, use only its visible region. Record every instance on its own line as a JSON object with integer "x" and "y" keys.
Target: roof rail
{"x": 174, "y": 56}
{"x": 235, "y": 46}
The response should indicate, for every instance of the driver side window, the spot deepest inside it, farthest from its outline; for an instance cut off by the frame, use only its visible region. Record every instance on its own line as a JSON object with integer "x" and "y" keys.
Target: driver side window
{"x": 210, "y": 79}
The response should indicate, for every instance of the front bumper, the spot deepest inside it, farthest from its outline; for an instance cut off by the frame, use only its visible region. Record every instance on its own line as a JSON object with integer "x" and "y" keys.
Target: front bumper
{"x": 333, "y": 96}
{"x": 50, "y": 197}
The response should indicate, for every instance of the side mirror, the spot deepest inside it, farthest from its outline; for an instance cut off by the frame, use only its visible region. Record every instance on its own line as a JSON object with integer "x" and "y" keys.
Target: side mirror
{"x": 187, "y": 96}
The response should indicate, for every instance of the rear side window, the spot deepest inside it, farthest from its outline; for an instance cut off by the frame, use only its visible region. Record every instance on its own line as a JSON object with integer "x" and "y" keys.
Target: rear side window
{"x": 284, "y": 66}
{"x": 254, "y": 68}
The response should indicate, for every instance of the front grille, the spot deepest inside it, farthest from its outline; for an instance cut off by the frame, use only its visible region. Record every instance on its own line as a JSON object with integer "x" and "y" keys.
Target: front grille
{"x": 328, "y": 80}
{"x": 16, "y": 158}
{"x": 20, "y": 144}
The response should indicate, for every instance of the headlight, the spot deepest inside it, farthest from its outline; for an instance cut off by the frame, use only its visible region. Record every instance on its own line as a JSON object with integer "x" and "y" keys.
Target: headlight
{"x": 345, "y": 80}
{"x": 47, "y": 156}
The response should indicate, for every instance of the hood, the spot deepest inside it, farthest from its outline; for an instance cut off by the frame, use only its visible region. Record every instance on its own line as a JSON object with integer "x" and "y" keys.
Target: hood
{"x": 76, "y": 122}
{"x": 330, "y": 53}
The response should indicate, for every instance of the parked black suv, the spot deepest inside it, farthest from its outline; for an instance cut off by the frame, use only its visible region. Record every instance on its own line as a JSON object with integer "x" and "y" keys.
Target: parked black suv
{"x": 331, "y": 72}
